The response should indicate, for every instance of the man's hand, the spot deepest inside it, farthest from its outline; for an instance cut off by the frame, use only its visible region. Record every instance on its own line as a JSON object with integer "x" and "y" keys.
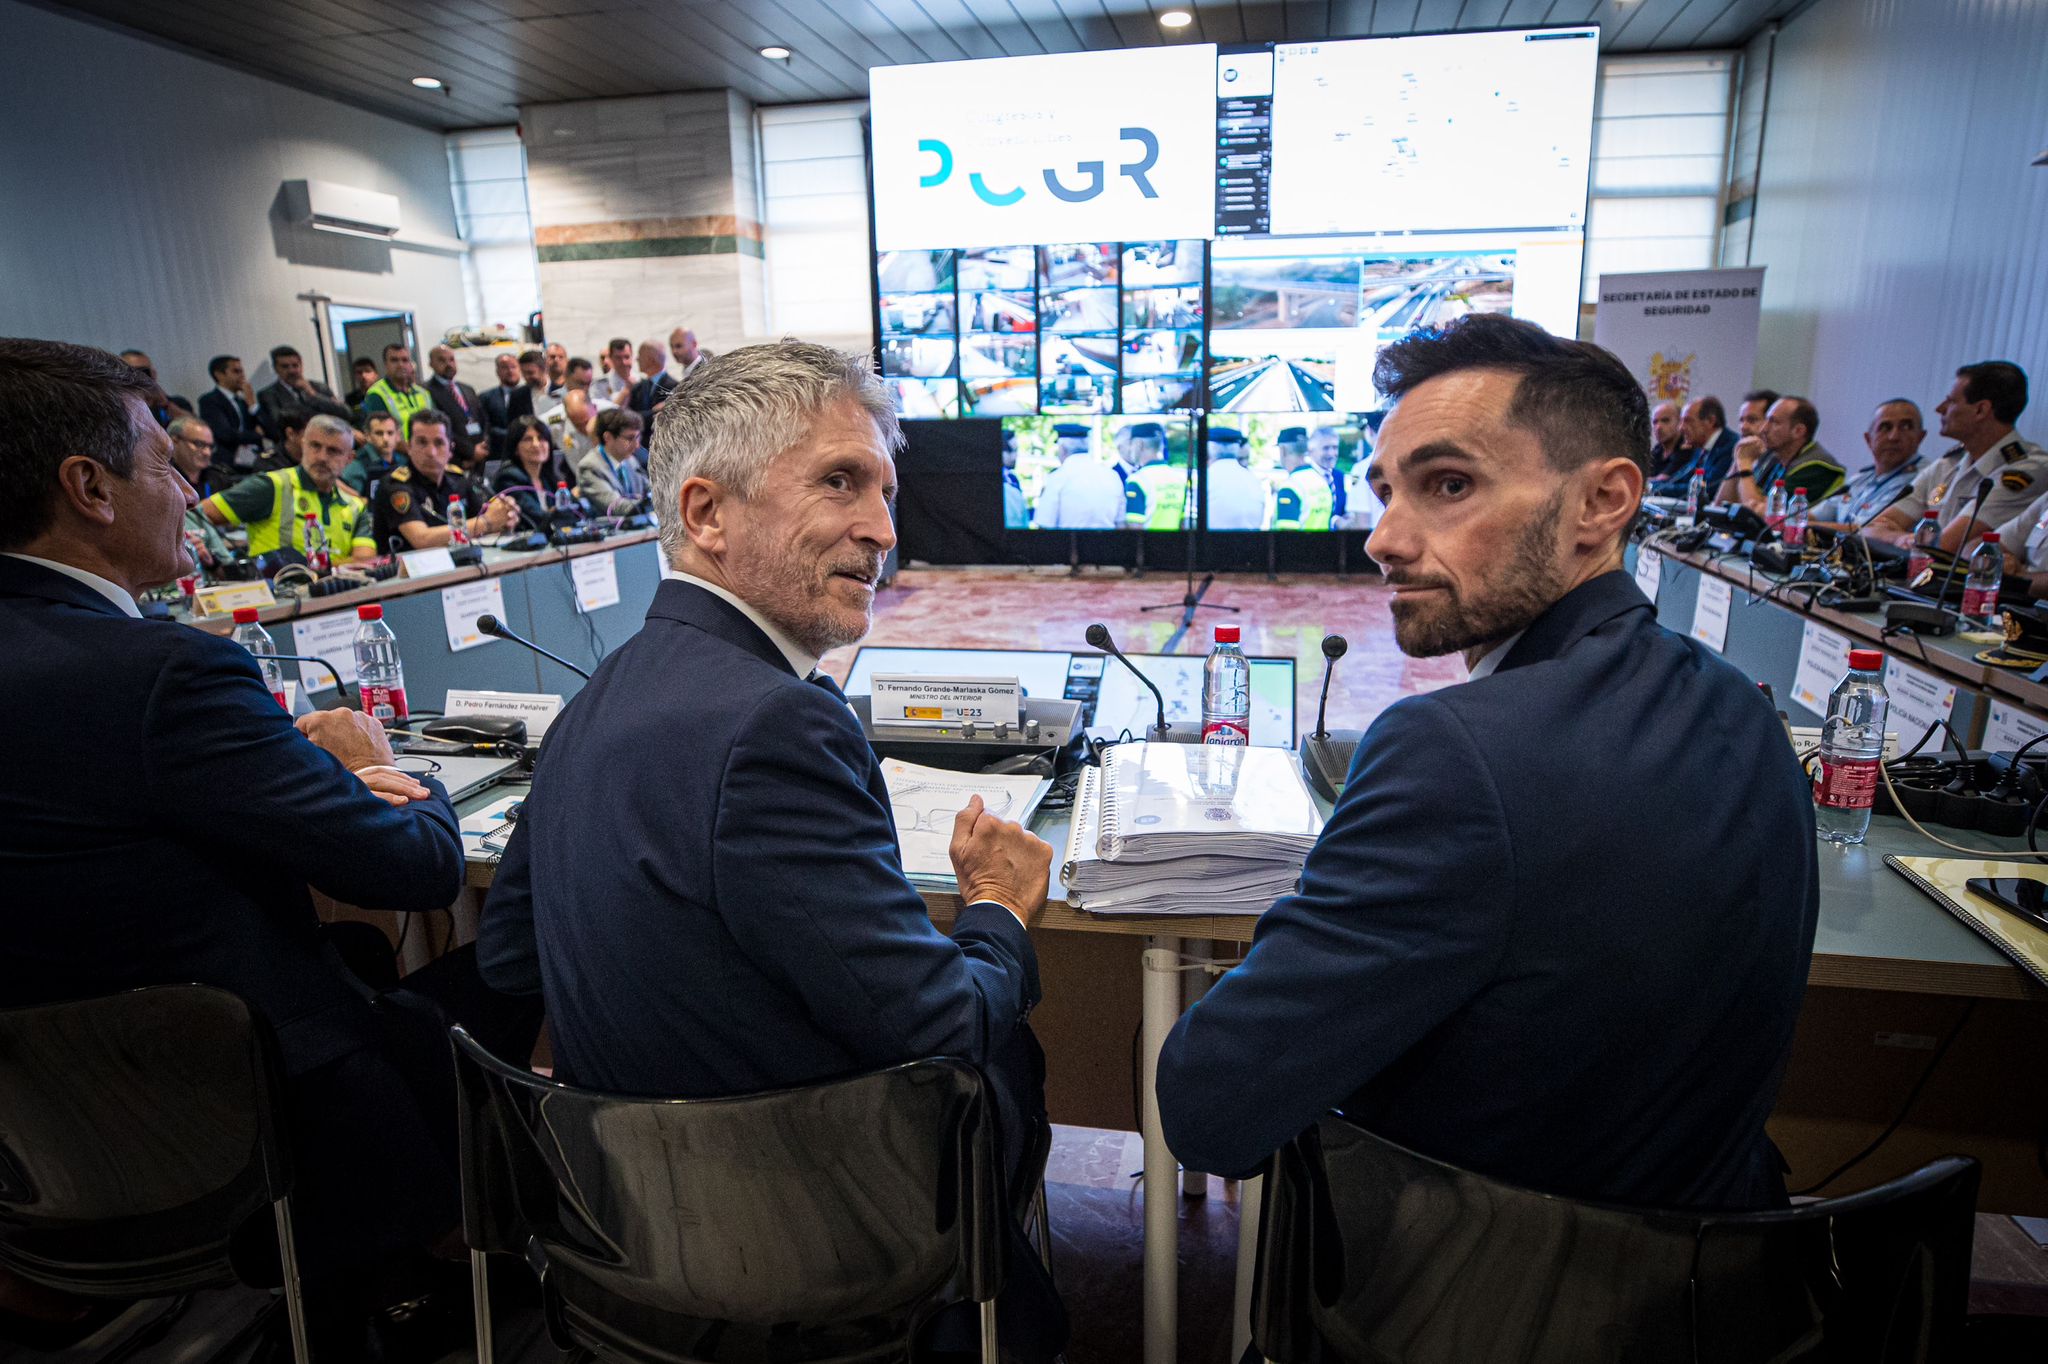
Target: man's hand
{"x": 997, "y": 861}
{"x": 394, "y": 787}
{"x": 350, "y": 735}
{"x": 1748, "y": 451}
{"x": 500, "y": 514}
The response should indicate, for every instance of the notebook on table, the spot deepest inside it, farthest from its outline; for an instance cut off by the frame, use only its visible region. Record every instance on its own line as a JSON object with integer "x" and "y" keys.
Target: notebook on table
{"x": 1945, "y": 881}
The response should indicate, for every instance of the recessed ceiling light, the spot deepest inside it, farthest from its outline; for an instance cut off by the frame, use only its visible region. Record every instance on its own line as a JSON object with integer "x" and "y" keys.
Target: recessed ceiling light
{"x": 1176, "y": 18}
{"x": 775, "y": 54}
{"x": 427, "y": 82}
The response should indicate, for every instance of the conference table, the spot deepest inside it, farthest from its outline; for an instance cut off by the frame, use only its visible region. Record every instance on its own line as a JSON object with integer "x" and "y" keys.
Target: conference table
{"x": 1876, "y": 933}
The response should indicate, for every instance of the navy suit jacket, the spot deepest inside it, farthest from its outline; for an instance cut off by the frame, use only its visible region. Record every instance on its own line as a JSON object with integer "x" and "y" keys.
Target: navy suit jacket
{"x": 233, "y": 424}
{"x": 160, "y": 820}
{"x": 1714, "y": 462}
{"x": 705, "y": 886}
{"x": 1557, "y": 931}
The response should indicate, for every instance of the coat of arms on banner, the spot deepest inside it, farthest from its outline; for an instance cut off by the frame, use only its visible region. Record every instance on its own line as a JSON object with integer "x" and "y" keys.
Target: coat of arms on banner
{"x": 1670, "y": 378}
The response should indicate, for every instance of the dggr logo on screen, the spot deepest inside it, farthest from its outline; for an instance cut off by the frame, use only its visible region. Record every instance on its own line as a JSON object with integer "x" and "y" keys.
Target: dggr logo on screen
{"x": 1094, "y": 172}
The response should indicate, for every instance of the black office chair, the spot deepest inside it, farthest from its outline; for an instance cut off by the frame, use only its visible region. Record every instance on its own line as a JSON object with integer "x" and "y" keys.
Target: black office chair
{"x": 139, "y": 1132}
{"x": 826, "y": 1223}
{"x": 1369, "y": 1251}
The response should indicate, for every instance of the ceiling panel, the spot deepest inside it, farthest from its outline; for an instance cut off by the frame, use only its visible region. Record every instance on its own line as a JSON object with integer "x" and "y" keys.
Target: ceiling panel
{"x": 499, "y": 54}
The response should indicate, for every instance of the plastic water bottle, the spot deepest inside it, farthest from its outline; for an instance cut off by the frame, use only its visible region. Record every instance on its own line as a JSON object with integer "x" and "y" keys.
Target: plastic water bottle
{"x": 253, "y": 637}
{"x": 565, "y": 501}
{"x": 1227, "y": 692}
{"x": 380, "y": 677}
{"x": 458, "y": 523}
{"x": 1774, "y": 506}
{"x": 1795, "y": 521}
{"x": 1980, "y": 589}
{"x": 1851, "y": 747}
{"x": 1695, "y": 497}
{"x": 317, "y": 556}
{"x": 1926, "y": 536}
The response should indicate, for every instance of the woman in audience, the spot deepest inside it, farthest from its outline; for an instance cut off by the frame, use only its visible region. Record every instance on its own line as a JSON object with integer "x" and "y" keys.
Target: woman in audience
{"x": 530, "y": 476}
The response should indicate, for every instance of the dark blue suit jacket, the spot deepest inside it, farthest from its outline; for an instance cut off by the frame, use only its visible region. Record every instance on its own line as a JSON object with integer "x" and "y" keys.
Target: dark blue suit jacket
{"x": 1714, "y": 462}
{"x": 705, "y": 884}
{"x": 160, "y": 820}
{"x": 1556, "y": 931}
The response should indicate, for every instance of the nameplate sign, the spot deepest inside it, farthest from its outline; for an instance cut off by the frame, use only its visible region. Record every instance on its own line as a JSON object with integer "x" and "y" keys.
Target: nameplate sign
{"x": 1649, "y": 572}
{"x": 1710, "y": 613}
{"x": 224, "y": 599}
{"x": 1919, "y": 701}
{"x": 462, "y": 604}
{"x": 425, "y": 563}
{"x": 538, "y": 709}
{"x": 1823, "y": 659}
{"x": 596, "y": 577}
{"x": 332, "y": 637}
{"x": 934, "y": 702}
{"x": 2009, "y": 727}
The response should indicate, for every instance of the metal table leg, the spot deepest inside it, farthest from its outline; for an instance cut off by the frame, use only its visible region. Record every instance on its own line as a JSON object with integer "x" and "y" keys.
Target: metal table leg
{"x": 1162, "y": 1172}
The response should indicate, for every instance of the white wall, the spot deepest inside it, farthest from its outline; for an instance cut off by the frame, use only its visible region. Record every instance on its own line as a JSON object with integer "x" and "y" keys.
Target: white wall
{"x": 139, "y": 202}
{"x": 815, "y": 218}
{"x": 1903, "y": 230}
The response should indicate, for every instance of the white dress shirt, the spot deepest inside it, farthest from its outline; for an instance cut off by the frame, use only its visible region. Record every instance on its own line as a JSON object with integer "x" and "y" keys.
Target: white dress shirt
{"x": 801, "y": 662}
{"x": 113, "y": 592}
{"x": 1492, "y": 658}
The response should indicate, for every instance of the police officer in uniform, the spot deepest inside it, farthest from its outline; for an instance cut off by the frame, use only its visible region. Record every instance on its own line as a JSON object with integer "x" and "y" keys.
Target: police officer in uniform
{"x": 1156, "y": 494}
{"x": 1978, "y": 413}
{"x": 1302, "y": 499}
{"x": 413, "y": 502}
{"x": 1083, "y": 493}
{"x": 1015, "y": 515}
{"x": 1237, "y": 497}
{"x": 274, "y": 506}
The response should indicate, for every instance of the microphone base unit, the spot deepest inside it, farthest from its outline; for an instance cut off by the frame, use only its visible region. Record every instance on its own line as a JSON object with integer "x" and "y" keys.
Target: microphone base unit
{"x": 1051, "y": 730}
{"x": 1326, "y": 760}
{"x": 1935, "y": 621}
{"x": 1186, "y": 734}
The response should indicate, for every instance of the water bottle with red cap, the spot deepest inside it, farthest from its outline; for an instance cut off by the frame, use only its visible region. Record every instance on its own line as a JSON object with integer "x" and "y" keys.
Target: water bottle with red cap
{"x": 252, "y": 636}
{"x": 379, "y": 675}
{"x": 1227, "y": 692}
{"x": 1851, "y": 747}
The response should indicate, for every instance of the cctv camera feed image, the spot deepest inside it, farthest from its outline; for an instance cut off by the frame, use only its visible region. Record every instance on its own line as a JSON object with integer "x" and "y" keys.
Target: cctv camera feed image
{"x": 919, "y": 349}
{"x": 1289, "y": 473}
{"x": 1097, "y": 473}
{"x": 999, "y": 330}
{"x": 1162, "y": 326}
{"x": 1296, "y": 326}
{"x": 1077, "y": 323}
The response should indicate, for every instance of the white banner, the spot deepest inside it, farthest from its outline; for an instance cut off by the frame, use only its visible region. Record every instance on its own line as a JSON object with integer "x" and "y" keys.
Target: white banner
{"x": 1684, "y": 333}
{"x": 1071, "y": 147}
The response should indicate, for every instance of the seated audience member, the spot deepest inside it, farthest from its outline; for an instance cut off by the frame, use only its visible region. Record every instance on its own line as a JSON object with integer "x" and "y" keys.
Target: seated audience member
{"x": 744, "y": 923}
{"x": 291, "y": 431}
{"x": 364, "y": 369}
{"x": 1668, "y": 452}
{"x": 377, "y": 453}
{"x": 498, "y": 404}
{"x": 1978, "y": 414}
{"x": 532, "y": 471}
{"x": 574, "y": 418}
{"x": 162, "y": 406}
{"x": 649, "y": 390}
{"x": 1711, "y": 446}
{"x": 555, "y": 360}
{"x": 397, "y": 392}
{"x": 192, "y": 455}
{"x": 611, "y": 477}
{"x": 293, "y": 389}
{"x": 273, "y": 507}
{"x": 1786, "y": 449}
{"x": 464, "y": 410}
{"x": 414, "y": 500}
{"x": 1893, "y": 438}
{"x": 1467, "y": 967}
{"x": 173, "y": 837}
{"x": 229, "y": 407}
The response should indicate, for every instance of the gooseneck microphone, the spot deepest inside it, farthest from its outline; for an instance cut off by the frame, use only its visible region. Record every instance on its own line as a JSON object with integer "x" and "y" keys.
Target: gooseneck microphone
{"x": 1098, "y": 638}
{"x": 1983, "y": 491}
{"x": 1334, "y": 647}
{"x": 340, "y": 686}
{"x": 491, "y": 626}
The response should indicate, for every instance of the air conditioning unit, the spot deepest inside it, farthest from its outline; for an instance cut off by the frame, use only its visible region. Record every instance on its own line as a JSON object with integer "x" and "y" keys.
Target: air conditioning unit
{"x": 353, "y": 212}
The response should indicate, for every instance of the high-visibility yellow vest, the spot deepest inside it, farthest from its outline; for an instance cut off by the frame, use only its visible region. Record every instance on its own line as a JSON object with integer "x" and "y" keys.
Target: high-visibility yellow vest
{"x": 342, "y": 516}
{"x": 1303, "y": 500}
{"x": 403, "y": 406}
{"x": 1155, "y": 497}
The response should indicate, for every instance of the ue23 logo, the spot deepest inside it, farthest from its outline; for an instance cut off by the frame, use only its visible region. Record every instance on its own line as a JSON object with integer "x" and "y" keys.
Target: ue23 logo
{"x": 1136, "y": 170}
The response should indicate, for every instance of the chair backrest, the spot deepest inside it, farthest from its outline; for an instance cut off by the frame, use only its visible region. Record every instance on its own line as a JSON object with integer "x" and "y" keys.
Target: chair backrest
{"x": 138, "y": 1133}
{"x": 820, "y": 1223}
{"x": 1370, "y": 1251}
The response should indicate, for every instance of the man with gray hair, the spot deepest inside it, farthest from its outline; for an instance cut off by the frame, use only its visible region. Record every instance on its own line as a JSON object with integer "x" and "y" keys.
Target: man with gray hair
{"x": 741, "y": 922}
{"x": 274, "y": 507}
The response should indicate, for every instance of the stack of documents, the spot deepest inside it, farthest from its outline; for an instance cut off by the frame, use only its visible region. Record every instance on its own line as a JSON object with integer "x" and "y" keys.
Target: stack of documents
{"x": 1188, "y": 829}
